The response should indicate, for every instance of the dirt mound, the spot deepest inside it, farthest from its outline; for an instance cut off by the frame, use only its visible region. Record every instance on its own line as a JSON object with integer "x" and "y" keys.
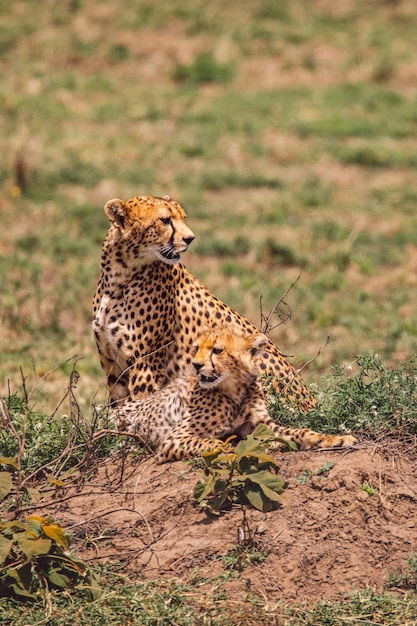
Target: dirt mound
{"x": 347, "y": 519}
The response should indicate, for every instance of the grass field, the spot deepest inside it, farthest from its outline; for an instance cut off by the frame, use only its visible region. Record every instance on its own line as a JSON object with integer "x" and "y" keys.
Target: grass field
{"x": 288, "y": 130}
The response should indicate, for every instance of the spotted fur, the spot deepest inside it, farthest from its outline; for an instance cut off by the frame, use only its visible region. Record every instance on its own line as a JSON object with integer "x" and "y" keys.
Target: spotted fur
{"x": 222, "y": 397}
{"x": 148, "y": 309}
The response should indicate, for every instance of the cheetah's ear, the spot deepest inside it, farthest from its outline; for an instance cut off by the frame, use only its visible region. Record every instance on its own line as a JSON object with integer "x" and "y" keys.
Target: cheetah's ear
{"x": 258, "y": 342}
{"x": 117, "y": 212}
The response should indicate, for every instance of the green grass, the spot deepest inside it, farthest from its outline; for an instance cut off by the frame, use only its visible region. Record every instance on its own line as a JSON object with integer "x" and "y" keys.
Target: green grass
{"x": 362, "y": 396}
{"x": 168, "y": 602}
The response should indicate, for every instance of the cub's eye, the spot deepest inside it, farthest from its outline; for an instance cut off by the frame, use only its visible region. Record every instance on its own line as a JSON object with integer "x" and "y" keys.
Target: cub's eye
{"x": 166, "y": 220}
{"x": 217, "y": 350}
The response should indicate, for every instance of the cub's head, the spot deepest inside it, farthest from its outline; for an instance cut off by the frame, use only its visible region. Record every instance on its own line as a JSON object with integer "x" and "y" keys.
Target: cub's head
{"x": 226, "y": 358}
{"x": 150, "y": 229}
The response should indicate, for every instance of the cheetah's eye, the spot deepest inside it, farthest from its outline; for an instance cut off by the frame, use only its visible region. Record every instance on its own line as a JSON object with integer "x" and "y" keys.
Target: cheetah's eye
{"x": 217, "y": 350}
{"x": 166, "y": 220}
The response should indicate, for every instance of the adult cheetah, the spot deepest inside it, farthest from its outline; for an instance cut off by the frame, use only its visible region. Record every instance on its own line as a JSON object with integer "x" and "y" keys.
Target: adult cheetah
{"x": 220, "y": 396}
{"x": 148, "y": 310}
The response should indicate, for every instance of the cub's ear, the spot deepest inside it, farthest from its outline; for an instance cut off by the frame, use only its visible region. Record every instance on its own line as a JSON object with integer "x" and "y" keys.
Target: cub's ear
{"x": 117, "y": 212}
{"x": 257, "y": 342}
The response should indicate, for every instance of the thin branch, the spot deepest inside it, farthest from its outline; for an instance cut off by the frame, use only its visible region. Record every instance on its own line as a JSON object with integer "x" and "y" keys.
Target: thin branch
{"x": 266, "y": 325}
{"x": 96, "y": 436}
{"x": 315, "y": 356}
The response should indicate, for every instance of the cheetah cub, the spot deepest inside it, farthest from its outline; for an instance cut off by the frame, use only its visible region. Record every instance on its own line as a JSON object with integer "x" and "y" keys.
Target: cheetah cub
{"x": 222, "y": 396}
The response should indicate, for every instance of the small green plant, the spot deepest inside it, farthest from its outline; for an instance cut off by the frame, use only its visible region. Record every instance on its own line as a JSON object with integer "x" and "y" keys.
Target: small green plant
{"x": 307, "y": 474}
{"x": 369, "y": 489}
{"x": 245, "y": 475}
{"x": 35, "y": 557}
{"x": 242, "y": 556}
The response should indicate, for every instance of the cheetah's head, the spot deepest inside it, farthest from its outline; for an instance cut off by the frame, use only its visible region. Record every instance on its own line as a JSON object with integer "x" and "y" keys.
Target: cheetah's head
{"x": 149, "y": 228}
{"x": 226, "y": 358}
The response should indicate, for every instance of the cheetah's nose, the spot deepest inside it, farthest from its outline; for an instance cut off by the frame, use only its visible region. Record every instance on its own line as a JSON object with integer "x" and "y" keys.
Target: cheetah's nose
{"x": 189, "y": 240}
{"x": 197, "y": 366}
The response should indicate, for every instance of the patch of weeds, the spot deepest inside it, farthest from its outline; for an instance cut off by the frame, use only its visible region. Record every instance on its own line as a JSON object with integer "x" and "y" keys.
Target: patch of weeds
{"x": 378, "y": 401}
{"x": 329, "y": 230}
{"x": 245, "y": 475}
{"x": 35, "y": 558}
{"x": 383, "y": 70}
{"x": 242, "y": 556}
{"x": 233, "y": 268}
{"x": 217, "y": 180}
{"x": 365, "y": 607}
{"x": 45, "y": 455}
{"x": 314, "y": 192}
{"x": 118, "y": 53}
{"x": 274, "y": 253}
{"x": 367, "y": 156}
{"x": 307, "y": 474}
{"x": 401, "y": 197}
{"x": 304, "y": 477}
{"x": 204, "y": 69}
{"x": 382, "y": 250}
{"x": 83, "y": 49}
{"x": 277, "y": 214}
{"x": 406, "y": 579}
{"x": 121, "y": 601}
{"x": 359, "y": 110}
{"x": 331, "y": 281}
{"x": 273, "y": 11}
{"x": 222, "y": 247}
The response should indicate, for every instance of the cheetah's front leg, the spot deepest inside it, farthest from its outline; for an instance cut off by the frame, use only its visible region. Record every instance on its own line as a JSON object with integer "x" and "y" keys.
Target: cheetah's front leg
{"x": 180, "y": 446}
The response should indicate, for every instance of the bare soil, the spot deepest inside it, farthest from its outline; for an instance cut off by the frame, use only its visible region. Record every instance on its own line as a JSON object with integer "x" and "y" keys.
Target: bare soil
{"x": 329, "y": 538}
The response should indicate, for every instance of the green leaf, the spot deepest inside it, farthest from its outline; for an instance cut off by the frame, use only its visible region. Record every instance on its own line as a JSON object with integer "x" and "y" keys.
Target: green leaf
{"x": 304, "y": 477}
{"x": 326, "y": 468}
{"x": 255, "y": 498}
{"x": 5, "y": 484}
{"x": 216, "y": 502}
{"x": 24, "y": 581}
{"x": 32, "y": 547}
{"x": 202, "y": 490}
{"x": 271, "y": 489}
{"x": 263, "y": 433}
{"x": 5, "y": 548}
{"x": 248, "y": 447}
{"x": 21, "y": 591}
{"x": 60, "y": 580}
{"x": 94, "y": 590}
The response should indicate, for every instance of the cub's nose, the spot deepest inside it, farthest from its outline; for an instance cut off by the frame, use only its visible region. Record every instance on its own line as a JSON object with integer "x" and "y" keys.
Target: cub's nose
{"x": 197, "y": 366}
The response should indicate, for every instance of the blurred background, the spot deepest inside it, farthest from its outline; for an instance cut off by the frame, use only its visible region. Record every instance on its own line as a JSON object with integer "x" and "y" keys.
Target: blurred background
{"x": 287, "y": 129}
